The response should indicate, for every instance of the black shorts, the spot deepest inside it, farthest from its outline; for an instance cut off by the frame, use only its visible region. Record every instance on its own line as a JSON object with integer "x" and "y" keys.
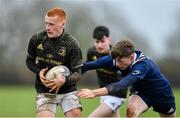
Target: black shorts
{"x": 166, "y": 108}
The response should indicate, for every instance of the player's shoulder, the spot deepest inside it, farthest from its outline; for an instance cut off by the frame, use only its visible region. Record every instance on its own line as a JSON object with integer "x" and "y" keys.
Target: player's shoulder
{"x": 142, "y": 61}
{"x": 92, "y": 49}
{"x": 70, "y": 40}
{"x": 40, "y": 34}
{"x": 92, "y": 53}
{"x": 38, "y": 37}
{"x": 140, "y": 57}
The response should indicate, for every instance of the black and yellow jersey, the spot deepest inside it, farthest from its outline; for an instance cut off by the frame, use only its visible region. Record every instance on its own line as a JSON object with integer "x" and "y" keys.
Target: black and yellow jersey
{"x": 44, "y": 52}
{"x": 105, "y": 76}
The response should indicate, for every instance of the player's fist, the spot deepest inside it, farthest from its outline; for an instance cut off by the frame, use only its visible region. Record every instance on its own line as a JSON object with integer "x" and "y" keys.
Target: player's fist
{"x": 57, "y": 83}
{"x": 42, "y": 75}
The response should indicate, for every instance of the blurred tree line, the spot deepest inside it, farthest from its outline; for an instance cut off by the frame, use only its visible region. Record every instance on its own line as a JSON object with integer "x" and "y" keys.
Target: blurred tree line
{"x": 21, "y": 19}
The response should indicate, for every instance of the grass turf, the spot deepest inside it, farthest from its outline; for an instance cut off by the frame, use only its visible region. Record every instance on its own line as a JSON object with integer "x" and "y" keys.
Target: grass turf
{"x": 16, "y": 101}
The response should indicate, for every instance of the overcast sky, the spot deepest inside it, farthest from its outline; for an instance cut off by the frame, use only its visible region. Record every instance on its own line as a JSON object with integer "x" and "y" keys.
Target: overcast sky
{"x": 153, "y": 18}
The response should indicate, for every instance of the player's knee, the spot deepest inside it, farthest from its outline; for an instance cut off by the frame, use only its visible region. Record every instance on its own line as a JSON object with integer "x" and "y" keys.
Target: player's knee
{"x": 77, "y": 113}
{"x": 131, "y": 111}
{"x": 74, "y": 113}
{"x": 45, "y": 114}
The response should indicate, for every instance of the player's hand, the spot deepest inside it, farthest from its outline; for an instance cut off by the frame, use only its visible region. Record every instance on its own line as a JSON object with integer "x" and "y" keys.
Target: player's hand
{"x": 86, "y": 93}
{"x": 42, "y": 76}
{"x": 56, "y": 83}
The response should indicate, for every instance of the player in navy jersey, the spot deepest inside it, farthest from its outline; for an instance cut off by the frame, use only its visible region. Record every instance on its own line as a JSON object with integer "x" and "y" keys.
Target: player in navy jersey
{"x": 150, "y": 88}
{"x": 110, "y": 103}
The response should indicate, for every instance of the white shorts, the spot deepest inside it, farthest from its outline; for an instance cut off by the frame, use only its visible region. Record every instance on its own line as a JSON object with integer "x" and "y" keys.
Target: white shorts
{"x": 113, "y": 102}
{"x": 49, "y": 102}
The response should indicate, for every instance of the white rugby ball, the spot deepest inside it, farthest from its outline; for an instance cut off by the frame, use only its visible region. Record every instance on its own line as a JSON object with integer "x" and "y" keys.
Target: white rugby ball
{"x": 51, "y": 74}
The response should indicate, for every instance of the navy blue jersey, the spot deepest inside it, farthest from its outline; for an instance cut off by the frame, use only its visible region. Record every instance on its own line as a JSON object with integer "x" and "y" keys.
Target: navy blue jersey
{"x": 143, "y": 74}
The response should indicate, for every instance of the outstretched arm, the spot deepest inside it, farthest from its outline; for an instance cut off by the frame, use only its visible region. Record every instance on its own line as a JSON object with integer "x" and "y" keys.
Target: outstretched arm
{"x": 138, "y": 72}
{"x": 120, "y": 86}
{"x": 87, "y": 93}
{"x": 110, "y": 89}
{"x": 103, "y": 62}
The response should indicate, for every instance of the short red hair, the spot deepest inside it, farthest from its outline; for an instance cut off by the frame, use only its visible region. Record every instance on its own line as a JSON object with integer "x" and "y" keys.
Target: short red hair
{"x": 57, "y": 12}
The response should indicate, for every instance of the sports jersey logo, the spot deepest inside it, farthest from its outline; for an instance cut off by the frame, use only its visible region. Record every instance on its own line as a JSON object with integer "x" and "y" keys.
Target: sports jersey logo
{"x": 62, "y": 51}
{"x": 136, "y": 72}
{"x": 49, "y": 56}
{"x": 94, "y": 58}
{"x": 119, "y": 72}
{"x": 40, "y": 46}
{"x": 171, "y": 110}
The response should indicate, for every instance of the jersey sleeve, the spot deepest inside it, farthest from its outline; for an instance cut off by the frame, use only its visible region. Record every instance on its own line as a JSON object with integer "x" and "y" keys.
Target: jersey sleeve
{"x": 103, "y": 62}
{"x": 139, "y": 71}
{"x": 75, "y": 56}
{"x": 74, "y": 62}
{"x": 119, "y": 87}
{"x": 31, "y": 55}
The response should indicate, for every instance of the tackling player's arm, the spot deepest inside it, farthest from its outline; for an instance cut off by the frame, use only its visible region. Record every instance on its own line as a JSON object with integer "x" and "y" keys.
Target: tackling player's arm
{"x": 99, "y": 63}
{"x": 87, "y": 93}
{"x": 120, "y": 86}
{"x": 138, "y": 72}
{"x": 111, "y": 89}
{"x": 89, "y": 56}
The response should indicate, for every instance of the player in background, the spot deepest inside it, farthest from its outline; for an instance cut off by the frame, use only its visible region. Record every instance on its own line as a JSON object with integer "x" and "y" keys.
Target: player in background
{"x": 50, "y": 48}
{"x": 150, "y": 88}
{"x": 109, "y": 103}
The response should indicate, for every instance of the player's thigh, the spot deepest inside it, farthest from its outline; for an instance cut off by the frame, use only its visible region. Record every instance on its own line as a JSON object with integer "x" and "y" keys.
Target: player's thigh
{"x": 103, "y": 110}
{"x": 137, "y": 103}
{"x": 70, "y": 105}
{"x": 115, "y": 114}
{"x": 45, "y": 105}
{"x": 108, "y": 107}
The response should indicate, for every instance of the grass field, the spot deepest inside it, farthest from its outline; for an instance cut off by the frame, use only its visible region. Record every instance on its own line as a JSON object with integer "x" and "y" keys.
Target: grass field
{"x": 20, "y": 102}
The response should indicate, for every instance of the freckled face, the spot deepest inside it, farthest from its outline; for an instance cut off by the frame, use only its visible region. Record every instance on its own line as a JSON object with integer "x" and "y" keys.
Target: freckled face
{"x": 53, "y": 26}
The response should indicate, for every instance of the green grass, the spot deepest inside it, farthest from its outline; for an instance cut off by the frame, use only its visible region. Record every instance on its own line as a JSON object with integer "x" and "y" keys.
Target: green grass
{"x": 20, "y": 102}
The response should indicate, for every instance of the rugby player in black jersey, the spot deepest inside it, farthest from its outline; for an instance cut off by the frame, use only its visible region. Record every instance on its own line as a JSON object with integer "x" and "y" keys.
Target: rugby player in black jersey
{"x": 110, "y": 103}
{"x": 50, "y": 48}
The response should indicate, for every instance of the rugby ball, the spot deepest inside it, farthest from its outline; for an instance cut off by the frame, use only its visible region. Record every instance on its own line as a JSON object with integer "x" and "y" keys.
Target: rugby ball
{"x": 51, "y": 74}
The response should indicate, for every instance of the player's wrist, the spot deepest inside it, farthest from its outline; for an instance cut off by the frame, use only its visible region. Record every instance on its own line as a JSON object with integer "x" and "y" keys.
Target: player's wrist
{"x": 94, "y": 92}
{"x": 100, "y": 91}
